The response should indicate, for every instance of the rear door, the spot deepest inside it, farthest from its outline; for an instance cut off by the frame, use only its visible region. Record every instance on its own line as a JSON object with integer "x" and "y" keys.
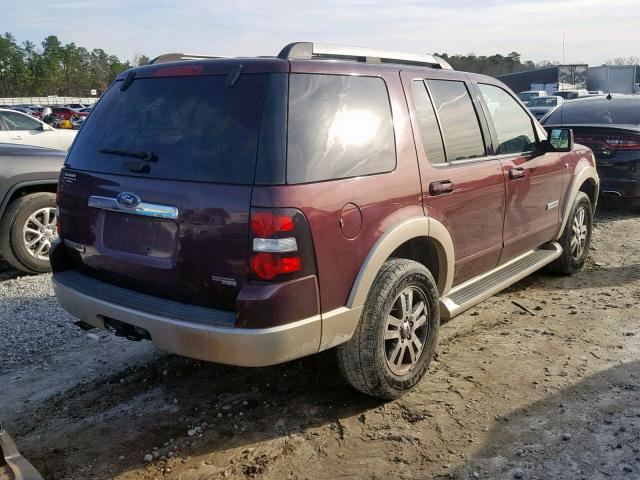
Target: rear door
{"x": 534, "y": 180}
{"x": 463, "y": 186}
{"x": 156, "y": 190}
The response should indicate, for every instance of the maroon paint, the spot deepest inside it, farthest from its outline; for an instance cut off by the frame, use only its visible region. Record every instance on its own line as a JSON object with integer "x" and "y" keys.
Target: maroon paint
{"x": 211, "y": 237}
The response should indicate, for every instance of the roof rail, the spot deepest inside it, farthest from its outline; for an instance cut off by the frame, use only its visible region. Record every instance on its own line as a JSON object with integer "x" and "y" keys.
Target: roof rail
{"x": 309, "y": 51}
{"x": 179, "y": 57}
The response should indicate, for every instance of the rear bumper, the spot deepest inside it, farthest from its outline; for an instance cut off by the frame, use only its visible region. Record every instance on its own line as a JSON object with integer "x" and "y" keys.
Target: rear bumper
{"x": 247, "y": 347}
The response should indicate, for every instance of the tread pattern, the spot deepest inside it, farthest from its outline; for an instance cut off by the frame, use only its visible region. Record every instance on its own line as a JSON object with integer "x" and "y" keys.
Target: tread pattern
{"x": 361, "y": 359}
{"x": 565, "y": 264}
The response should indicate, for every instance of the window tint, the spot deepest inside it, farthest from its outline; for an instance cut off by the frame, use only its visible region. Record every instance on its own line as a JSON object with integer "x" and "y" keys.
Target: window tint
{"x": 513, "y": 125}
{"x": 598, "y": 111}
{"x": 197, "y": 128}
{"x": 458, "y": 119}
{"x": 339, "y": 126}
{"x": 429, "y": 129}
{"x": 17, "y": 121}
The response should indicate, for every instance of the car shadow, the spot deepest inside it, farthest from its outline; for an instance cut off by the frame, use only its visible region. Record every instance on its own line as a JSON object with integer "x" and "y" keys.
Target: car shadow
{"x": 144, "y": 407}
{"x": 590, "y": 430}
{"x": 7, "y": 272}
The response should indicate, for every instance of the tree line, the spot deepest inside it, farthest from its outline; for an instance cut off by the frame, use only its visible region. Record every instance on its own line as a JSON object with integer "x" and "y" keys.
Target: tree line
{"x": 68, "y": 70}
{"x": 55, "y": 69}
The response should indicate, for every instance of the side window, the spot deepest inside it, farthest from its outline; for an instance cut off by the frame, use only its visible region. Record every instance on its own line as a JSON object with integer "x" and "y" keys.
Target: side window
{"x": 338, "y": 127}
{"x": 17, "y": 121}
{"x": 458, "y": 119}
{"x": 429, "y": 128}
{"x": 513, "y": 126}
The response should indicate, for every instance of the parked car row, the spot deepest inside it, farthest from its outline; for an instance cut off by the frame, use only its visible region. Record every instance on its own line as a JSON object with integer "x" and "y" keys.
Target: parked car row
{"x": 21, "y": 129}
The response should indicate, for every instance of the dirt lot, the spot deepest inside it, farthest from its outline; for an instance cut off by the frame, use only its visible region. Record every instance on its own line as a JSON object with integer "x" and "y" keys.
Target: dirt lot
{"x": 555, "y": 395}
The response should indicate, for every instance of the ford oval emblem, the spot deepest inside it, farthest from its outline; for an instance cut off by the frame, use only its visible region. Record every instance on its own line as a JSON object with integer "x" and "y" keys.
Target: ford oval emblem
{"x": 128, "y": 199}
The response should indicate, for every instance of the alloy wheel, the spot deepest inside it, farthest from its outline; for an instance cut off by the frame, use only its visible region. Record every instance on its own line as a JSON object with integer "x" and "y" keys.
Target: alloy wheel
{"x": 406, "y": 330}
{"x": 579, "y": 233}
{"x": 39, "y": 232}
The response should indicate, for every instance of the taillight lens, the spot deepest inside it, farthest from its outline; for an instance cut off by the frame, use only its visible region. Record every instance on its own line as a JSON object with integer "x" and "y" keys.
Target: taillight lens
{"x": 265, "y": 224}
{"x": 281, "y": 246}
{"x": 627, "y": 143}
{"x": 267, "y": 265}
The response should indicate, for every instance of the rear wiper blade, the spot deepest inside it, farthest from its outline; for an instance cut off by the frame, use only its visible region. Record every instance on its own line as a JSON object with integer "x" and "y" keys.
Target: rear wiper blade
{"x": 145, "y": 155}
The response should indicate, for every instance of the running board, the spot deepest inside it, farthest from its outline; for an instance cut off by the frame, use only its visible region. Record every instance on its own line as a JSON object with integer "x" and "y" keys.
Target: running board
{"x": 13, "y": 465}
{"x": 473, "y": 291}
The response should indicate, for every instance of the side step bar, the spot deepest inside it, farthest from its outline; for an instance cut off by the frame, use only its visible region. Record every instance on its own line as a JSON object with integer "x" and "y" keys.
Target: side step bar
{"x": 471, "y": 292}
{"x": 12, "y": 463}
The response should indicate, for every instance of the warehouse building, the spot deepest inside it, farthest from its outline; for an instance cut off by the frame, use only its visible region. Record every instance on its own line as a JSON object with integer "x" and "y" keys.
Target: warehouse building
{"x": 551, "y": 79}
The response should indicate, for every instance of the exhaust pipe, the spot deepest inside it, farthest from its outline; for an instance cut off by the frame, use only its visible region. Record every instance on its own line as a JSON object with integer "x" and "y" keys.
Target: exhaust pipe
{"x": 611, "y": 193}
{"x": 130, "y": 332}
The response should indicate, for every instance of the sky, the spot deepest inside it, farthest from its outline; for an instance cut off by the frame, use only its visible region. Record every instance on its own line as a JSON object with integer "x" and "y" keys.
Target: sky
{"x": 595, "y": 30}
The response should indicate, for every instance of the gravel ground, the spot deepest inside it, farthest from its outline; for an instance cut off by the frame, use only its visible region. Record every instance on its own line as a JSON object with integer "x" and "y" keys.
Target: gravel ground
{"x": 32, "y": 324}
{"x": 552, "y": 396}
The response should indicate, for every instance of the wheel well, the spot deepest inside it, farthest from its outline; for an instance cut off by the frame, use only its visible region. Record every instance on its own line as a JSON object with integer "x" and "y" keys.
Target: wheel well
{"x": 589, "y": 187}
{"x": 422, "y": 250}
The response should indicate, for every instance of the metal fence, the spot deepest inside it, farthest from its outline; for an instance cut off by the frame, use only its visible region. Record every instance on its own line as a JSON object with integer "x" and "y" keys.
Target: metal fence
{"x": 50, "y": 100}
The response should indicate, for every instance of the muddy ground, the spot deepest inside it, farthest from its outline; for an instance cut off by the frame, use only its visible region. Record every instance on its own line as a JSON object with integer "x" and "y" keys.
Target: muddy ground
{"x": 555, "y": 395}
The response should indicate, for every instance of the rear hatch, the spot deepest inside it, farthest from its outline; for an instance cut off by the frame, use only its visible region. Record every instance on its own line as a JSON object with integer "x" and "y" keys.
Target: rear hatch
{"x": 156, "y": 190}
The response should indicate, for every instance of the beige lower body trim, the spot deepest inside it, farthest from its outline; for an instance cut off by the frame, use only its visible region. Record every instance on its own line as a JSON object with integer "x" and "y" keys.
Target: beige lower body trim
{"x": 244, "y": 347}
{"x": 338, "y": 326}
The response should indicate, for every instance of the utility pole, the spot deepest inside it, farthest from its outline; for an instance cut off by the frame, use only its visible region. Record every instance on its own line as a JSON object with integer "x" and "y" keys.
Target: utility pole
{"x": 563, "y": 48}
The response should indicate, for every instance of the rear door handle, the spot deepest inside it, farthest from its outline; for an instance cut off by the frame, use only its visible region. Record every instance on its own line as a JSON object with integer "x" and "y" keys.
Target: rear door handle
{"x": 516, "y": 172}
{"x": 17, "y": 137}
{"x": 440, "y": 187}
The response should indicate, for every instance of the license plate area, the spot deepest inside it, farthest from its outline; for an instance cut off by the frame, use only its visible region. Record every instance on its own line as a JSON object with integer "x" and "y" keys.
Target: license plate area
{"x": 139, "y": 235}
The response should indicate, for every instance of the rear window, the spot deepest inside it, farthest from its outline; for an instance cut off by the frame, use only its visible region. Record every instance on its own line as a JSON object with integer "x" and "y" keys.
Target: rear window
{"x": 195, "y": 128}
{"x": 339, "y": 127}
{"x": 597, "y": 112}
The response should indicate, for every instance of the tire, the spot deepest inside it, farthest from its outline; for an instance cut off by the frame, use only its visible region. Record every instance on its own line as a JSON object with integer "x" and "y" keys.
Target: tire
{"x": 12, "y": 237}
{"x": 571, "y": 261}
{"x": 367, "y": 360}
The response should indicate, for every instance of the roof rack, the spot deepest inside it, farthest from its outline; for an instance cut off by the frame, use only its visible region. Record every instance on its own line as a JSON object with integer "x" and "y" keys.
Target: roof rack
{"x": 178, "y": 57}
{"x": 309, "y": 51}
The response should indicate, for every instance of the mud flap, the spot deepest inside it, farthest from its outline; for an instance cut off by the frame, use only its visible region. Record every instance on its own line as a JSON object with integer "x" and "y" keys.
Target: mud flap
{"x": 14, "y": 466}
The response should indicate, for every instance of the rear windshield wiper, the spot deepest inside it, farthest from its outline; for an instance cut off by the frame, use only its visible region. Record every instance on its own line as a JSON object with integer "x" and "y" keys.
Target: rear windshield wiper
{"x": 145, "y": 155}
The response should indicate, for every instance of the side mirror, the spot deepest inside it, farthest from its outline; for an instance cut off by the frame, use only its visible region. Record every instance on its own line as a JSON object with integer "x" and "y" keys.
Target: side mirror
{"x": 559, "y": 140}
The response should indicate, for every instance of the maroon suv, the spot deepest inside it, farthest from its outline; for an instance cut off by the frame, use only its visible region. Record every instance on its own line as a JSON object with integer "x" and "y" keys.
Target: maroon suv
{"x": 250, "y": 211}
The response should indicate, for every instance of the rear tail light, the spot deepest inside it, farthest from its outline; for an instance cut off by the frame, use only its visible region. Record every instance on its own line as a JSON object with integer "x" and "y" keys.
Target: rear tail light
{"x": 281, "y": 245}
{"x": 626, "y": 142}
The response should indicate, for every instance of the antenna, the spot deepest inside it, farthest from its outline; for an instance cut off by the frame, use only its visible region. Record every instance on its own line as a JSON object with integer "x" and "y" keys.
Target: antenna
{"x": 563, "y": 48}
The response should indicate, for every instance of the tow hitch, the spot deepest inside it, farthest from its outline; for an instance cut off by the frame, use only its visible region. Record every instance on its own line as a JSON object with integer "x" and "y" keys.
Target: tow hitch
{"x": 14, "y": 466}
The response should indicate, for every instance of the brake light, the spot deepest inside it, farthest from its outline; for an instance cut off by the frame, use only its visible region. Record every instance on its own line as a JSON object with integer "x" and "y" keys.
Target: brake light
{"x": 267, "y": 265}
{"x": 265, "y": 224}
{"x": 628, "y": 143}
{"x": 281, "y": 244}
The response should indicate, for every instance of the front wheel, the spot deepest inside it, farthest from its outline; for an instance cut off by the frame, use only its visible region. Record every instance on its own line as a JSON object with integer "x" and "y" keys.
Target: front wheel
{"x": 396, "y": 338}
{"x": 576, "y": 237}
